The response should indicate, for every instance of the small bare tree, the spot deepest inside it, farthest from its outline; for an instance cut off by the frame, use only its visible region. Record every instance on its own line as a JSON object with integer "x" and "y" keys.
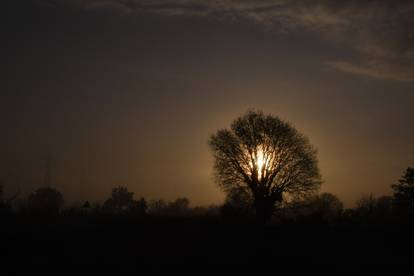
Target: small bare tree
{"x": 268, "y": 158}
{"x": 404, "y": 193}
{"x": 45, "y": 201}
{"x": 121, "y": 199}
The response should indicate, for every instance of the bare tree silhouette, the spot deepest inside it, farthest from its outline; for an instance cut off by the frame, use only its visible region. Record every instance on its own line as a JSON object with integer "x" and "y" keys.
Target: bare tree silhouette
{"x": 326, "y": 206}
{"x": 46, "y": 200}
{"x": 267, "y": 157}
{"x": 140, "y": 207}
{"x": 404, "y": 192}
{"x": 121, "y": 199}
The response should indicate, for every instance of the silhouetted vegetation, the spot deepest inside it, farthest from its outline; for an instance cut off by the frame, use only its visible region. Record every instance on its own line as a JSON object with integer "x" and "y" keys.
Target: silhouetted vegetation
{"x": 404, "y": 193}
{"x": 6, "y": 207}
{"x": 45, "y": 201}
{"x": 266, "y": 157}
{"x": 3, "y": 207}
{"x": 238, "y": 204}
{"x": 132, "y": 234}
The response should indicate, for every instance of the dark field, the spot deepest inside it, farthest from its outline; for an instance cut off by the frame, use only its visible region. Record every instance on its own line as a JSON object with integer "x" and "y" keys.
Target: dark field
{"x": 121, "y": 244}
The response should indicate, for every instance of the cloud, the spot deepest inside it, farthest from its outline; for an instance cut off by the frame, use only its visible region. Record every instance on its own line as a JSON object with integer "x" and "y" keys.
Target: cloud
{"x": 377, "y": 69}
{"x": 377, "y": 32}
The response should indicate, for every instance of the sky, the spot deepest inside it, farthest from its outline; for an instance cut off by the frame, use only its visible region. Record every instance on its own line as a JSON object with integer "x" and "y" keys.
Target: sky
{"x": 128, "y": 92}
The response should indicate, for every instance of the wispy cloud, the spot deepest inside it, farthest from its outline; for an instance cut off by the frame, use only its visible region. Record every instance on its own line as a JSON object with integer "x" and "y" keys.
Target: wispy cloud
{"x": 373, "y": 69}
{"x": 379, "y": 33}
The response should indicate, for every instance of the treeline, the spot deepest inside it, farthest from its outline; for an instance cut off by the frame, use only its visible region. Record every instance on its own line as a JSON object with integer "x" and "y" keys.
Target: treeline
{"x": 322, "y": 208}
{"x": 49, "y": 202}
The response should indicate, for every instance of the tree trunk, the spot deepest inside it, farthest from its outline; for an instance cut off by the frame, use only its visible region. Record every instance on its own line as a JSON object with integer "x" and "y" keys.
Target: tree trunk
{"x": 265, "y": 205}
{"x": 264, "y": 209}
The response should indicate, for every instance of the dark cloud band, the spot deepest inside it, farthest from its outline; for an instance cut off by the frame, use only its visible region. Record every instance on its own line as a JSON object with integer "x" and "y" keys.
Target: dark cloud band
{"x": 379, "y": 33}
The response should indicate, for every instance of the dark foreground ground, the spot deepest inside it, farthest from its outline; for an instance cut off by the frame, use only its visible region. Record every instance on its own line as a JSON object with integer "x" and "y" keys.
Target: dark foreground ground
{"x": 120, "y": 245}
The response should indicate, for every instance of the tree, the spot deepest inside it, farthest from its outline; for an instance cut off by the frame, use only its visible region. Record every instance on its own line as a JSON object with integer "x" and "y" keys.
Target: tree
{"x": 46, "y": 200}
{"x": 268, "y": 158}
{"x": 157, "y": 207}
{"x": 404, "y": 192}
{"x": 6, "y": 204}
{"x": 121, "y": 199}
{"x": 140, "y": 207}
{"x": 238, "y": 203}
{"x": 86, "y": 205}
{"x": 371, "y": 209}
{"x": 3, "y": 206}
{"x": 327, "y": 206}
{"x": 179, "y": 207}
{"x": 1, "y": 193}
{"x": 329, "y": 203}
{"x": 366, "y": 205}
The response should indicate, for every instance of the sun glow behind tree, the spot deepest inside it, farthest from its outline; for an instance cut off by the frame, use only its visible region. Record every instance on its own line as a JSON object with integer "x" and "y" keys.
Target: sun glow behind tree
{"x": 268, "y": 158}
{"x": 260, "y": 163}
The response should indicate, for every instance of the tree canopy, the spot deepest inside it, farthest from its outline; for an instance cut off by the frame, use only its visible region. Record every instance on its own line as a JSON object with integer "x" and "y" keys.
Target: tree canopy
{"x": 266, "y": 156}
{"x": 404, "y": 192}
{"x": 121, "y": 199}
{"x": 45, "y": 200}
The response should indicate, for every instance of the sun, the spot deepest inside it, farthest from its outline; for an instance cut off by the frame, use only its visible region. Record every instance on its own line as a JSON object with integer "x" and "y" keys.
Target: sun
{"x": 259, "y": 163}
